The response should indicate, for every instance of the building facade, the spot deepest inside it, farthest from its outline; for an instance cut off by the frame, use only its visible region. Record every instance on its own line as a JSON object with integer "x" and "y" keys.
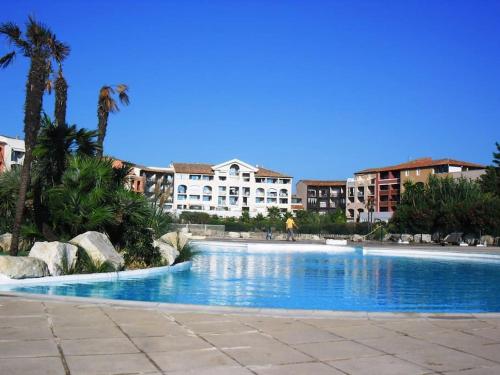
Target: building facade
{"x": 322, "y": 196}
{"x": 389, "y": 181}
{"x": 360, "y": 196}
{"x": 156, "y": 183}
{"x": 229, "y": 188}
{"x": 11, "y": 153}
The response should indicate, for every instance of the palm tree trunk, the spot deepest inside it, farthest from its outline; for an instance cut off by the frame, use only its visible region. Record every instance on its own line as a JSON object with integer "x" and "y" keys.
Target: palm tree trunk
{"x": 102, "y": 125}
{"x": 61, "y": 88}
{"x": 33, "y": 106}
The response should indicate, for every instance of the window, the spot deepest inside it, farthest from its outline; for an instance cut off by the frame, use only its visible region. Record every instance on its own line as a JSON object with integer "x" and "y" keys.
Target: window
{"x": 195, "y": 177}
{"x": 16, "y": 156}
{"x": 181, "y": 197}
{"x": 207, "y": 190}
{"x": 194, "y": 197}
{"x": 207, "y": 198}
{"x": 284, "y": 193}
{"x": 182, "y": 189}
{"x": 222, "y": 178}
{"x": 259, "y": 199}
{"x": 207, "y": 178}
{"x": 246, "y": 191}
{"x": 222, "y": 190}
{"x": 418, "y": 172}
{"x": 233, "y": 201}
{"x": 407, "y": 173}
{"x": 260, "y": 192}
{"x": 221, "y": 201}
{"x": 234, "y": 170}
{"x": 260, "y": 180}
{"x": 271, "y": 200}
{"x": 272, "y": 193}
{"x": 272, "y": 180}
{"x": 234, "y": 190}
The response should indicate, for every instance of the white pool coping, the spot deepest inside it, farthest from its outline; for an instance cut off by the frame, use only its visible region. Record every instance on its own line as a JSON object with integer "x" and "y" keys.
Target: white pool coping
{"x": 106, "y": 276}
{"x": 426, "y": 254}
{"x": 285, "y": 247}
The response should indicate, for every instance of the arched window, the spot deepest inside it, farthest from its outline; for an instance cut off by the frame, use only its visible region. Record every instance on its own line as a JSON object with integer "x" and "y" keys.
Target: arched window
{"x": 260, "y": 192}
{"x": 234, "y": 170}
{"x": 284, "y": 193}
{"x": 182, "y": 189}
{"x": 207, "y": 190}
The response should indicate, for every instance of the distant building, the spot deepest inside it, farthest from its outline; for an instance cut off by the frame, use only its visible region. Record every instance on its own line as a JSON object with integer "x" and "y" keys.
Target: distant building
{"x": 388, "y": 183}
{"x": 11, "y": 153}
{"x": 297, "y": 204}
{"x": 322, "y": 196}
{"x": 229, "y": 188}
{"x": 156, "y": 183}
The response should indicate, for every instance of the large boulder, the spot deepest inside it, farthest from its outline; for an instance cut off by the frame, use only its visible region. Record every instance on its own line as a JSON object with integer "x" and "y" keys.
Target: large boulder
{"x": 488, "y": 240}
{"x": 59, "y": 256}
{"x": 175, "y": 239}
{"x": 22, "y": 267}
{"x": 233, "y": 234}
{"x": 5, "y": 240}
{"x": 406, "y": 238}
{"x": 99, "y": 248}
{"x": 168, "y": 252}
{"x": 357, "y": 238}
{"x": 422, "y": 238}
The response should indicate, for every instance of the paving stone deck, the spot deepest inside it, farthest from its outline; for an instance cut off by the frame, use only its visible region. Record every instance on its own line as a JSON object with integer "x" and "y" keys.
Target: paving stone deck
{"x": 44, "y": 336}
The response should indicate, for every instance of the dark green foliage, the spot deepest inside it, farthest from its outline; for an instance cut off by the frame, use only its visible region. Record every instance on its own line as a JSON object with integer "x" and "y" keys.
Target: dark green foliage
{"x": 85, "y": 264}
{"x": 187, "y": 252}
{"x": 308, "y": 222}
{"x": 445, "y": 205}
{"x": 9, "y": 189}
{"x": 490, "y": 182}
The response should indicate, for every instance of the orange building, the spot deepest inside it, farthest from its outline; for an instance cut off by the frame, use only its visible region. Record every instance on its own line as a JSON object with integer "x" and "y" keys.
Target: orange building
{"x": 389, "y": 181}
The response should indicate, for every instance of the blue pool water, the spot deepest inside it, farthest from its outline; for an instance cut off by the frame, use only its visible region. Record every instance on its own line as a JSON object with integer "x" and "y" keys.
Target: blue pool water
{"x": 227, "y": 276}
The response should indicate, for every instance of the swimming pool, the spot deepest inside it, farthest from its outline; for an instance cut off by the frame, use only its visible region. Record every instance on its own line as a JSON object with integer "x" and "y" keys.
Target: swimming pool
{"x": 231, "y": 275}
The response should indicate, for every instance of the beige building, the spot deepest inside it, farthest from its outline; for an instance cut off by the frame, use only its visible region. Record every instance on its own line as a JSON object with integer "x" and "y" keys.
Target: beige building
{"x": 360, "y": 196}
{"x": 11, "y": 153}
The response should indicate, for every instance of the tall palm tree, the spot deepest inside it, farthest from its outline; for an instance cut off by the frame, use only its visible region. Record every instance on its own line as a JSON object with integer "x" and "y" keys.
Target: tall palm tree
{"x": 61, "y": 88}
{"x": 106, "y": 105}
{"x": 41, "y": 46}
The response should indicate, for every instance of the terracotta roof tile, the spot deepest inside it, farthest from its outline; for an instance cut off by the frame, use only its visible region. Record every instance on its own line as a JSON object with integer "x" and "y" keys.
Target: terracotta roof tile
{"x": 193, "y": 168}
{"x": 263, "y": 172}
{"x": 422, "y": 163}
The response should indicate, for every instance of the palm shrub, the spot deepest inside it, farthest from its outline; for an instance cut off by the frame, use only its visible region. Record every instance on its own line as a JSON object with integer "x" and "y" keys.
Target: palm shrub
{"x": 187, "y": 251}
{"x": 9, "y": 190}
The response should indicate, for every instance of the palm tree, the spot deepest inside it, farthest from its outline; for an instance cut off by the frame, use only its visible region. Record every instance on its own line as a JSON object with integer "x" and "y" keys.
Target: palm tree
{"x": 61, "y": 88}
{"x": 107, "y": 104}
{"x": 40, "y": 45}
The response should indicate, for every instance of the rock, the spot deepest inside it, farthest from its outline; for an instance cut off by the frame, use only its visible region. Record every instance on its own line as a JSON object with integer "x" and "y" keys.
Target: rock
{"x": 245, "y": 235}
{"x": 55, "y": 254}
{"x": 171, "y": 238}
{"x": 388, "y": 237}
{"x": 168, "y": 252}
{"x": 406, "y": 238}
{"x": 422, "y": 238}
{"x": 5, "y": 240}
{"x": 22, "y": 267}
{"x": 357, "y": 238}
{"x": 392, "y": 237}
{"x": 470, "y": 239}
{"x": 488, "y": 240}
{"x": 233, "y": 234}
{"x": 315, "y": 237}
{"x": 99, "y": 248}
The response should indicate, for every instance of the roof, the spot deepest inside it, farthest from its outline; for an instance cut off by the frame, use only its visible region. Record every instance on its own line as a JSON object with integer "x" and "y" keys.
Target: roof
{"x": 193, "y": 168}
{"x": 422, "y": 163}
{"x": 323, "y": 182}
{"x": 263, "y": 172}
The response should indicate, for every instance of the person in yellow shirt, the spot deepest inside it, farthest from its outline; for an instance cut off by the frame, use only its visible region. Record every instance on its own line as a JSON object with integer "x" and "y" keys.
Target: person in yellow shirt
{"x": 290, "y": 224}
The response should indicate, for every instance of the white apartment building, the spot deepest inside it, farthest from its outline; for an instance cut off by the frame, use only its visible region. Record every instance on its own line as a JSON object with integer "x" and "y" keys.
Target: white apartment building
{"x": 11, "y": 153}
{"x": 229, "y": 188}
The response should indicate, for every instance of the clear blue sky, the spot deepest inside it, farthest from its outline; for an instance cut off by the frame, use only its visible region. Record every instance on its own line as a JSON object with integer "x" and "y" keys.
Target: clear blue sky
{"x": 317, "y": 89}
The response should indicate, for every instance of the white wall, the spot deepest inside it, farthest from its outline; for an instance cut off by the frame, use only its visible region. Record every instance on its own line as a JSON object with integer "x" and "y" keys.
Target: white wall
{"x": 10, "y": 145}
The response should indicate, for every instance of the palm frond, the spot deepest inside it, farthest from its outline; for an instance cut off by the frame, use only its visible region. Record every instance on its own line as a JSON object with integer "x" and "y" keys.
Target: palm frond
{"x": 14, "y": 35}
{"x": 7, "y": 59}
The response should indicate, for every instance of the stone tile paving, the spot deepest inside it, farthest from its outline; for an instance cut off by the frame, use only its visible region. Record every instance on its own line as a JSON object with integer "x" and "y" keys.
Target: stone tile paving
{"x": 50, "y": 337}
